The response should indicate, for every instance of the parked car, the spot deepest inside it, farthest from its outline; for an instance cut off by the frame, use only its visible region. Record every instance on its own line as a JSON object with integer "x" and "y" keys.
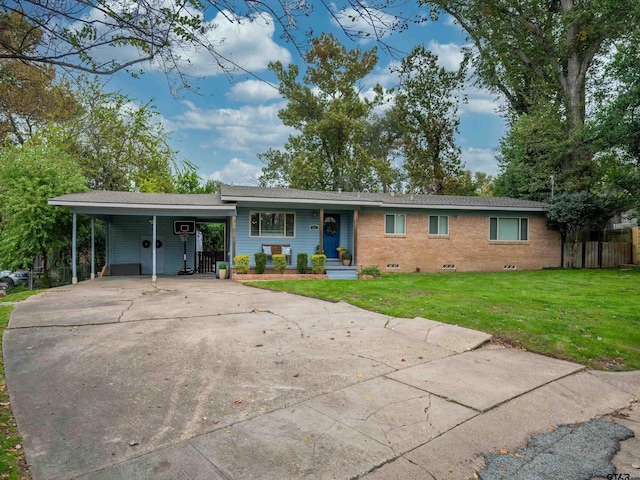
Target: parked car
{"x": 15, "y": 278}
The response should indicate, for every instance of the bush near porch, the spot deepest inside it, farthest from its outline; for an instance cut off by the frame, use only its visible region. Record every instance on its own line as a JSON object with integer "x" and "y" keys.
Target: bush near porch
{"x": 587, "y": 316}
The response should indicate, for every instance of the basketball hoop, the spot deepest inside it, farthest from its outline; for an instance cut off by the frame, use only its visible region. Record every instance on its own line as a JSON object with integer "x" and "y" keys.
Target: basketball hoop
{"x": 184, "y": 236}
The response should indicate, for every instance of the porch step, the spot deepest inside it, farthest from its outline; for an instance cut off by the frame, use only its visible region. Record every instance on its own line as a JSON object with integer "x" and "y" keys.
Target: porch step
{"x": 337, "y": 271}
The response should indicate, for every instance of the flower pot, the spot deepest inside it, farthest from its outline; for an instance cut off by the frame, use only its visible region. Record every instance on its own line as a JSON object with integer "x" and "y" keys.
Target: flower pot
{"x": 346, "y": 262}
{"x": 223, "y": 273}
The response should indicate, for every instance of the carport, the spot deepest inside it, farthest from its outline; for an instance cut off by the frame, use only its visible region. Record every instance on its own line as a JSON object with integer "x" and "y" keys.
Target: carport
{"x": 140, "y": 235}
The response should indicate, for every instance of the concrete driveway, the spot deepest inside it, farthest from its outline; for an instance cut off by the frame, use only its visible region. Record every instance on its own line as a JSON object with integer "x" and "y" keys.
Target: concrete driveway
{"x": 207, "y": 379}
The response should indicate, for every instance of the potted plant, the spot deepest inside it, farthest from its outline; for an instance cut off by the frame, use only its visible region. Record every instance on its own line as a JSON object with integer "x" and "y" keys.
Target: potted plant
{"x": 341, "y": 249}
{"x": 346, "y": 258}
{"x": 222, "y": 271}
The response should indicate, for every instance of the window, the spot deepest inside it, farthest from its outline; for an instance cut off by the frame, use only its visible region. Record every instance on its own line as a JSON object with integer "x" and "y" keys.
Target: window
{"x": 438, "y": 225}
{"x": 394, "y": 224}
{"x": 509, "y": 229}
{"x": 272, "y": 224}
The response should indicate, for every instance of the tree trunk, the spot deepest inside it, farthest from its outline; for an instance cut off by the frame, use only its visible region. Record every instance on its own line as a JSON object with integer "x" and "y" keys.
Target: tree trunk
{"x": 45, "y": 269}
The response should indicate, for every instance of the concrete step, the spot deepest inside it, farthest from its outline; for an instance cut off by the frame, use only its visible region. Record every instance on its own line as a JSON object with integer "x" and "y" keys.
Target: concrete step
{"x": 341, "y": 272}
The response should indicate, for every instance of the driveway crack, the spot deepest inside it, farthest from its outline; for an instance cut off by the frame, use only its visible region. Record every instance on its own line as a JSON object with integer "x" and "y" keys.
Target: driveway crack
{"x": 125, "y": 311}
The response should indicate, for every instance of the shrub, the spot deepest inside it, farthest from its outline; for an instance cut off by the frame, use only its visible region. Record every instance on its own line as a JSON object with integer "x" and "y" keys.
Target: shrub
{"x": 279, "y": 261}
{"x": 261, "y": 262}
{"x": 347, "y": 256}
{"x": 318, "y": 263}
{"x": 370, "y": 271}
{"x": 301, "y": 262}
{"x": 242, "y": 263}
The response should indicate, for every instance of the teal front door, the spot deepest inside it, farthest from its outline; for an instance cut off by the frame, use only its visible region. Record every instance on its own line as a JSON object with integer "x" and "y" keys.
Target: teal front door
{"x": 331, "y": 235}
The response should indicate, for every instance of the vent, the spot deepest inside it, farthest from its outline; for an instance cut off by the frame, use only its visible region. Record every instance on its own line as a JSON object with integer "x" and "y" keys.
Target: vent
{"x": 449, "y": 266}
{"x": 393, "y": 265}
{"x": 509, "y": 267}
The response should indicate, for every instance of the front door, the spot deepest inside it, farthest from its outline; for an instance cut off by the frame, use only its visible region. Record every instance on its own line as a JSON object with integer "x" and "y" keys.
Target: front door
{"x": 331, "y": 235}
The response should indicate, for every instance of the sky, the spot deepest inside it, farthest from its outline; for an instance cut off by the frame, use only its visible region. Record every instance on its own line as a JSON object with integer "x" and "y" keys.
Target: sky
{"x": 231, "y": 119}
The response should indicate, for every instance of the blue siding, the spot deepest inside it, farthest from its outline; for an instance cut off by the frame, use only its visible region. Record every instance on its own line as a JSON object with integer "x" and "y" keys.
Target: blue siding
{"x": 127, "y": 232}
{"x": 305, "y": 241}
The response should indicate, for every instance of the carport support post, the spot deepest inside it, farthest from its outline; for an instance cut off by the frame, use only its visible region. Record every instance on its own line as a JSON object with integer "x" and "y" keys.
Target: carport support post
{"x": 154, "y": 277}
{"x": 93, "y": 250}
{"x": 74, "y": 232}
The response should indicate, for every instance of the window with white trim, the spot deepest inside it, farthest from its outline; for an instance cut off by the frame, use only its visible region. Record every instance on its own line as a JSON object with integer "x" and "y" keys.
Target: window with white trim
{"x": 395, "y": 224}
{"x": 438, "y": 225}
{"x": 272, "y": 224}
{"x": 509, "y": 229}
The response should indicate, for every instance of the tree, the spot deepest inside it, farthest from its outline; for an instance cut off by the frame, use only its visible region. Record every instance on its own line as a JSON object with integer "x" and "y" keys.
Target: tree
{"x": 119, "y": 145}
{"x": 331, "y": 116}
{"x": 532, "y": 152}
{"x": 187, "y": 180}
{"x": 427, "y": 111}
{"x": 571, "y": 212}
{"x": 544, "y": 52}
{"x": 29, "y": 94}
{"x": 383, "y": 143}
{"x": 467, "y": 184}
{"x": 29, "y": 177}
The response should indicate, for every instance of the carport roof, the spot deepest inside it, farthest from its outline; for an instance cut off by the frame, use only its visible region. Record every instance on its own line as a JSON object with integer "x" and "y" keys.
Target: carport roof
{"x": 103, "y": 202}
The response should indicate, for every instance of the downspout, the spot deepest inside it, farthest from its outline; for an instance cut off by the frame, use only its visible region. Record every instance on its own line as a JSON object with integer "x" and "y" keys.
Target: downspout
{"x": 355, "y": 237}
{"x": 232, "y": 250}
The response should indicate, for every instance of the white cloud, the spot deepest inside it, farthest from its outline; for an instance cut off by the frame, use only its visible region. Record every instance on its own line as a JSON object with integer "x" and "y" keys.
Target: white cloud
{"x": 237, "y": 172}
{"x": 247, "y": 44}
{"x": 253, "y": 91}
{"x": 249, "y": 129}
{"x": 385, "y": 76}
{"x": 450, "y": 55}
{"x": 367, "y": 22}
{"x": 480, "y": 160}
{"x": 237, "y": 43}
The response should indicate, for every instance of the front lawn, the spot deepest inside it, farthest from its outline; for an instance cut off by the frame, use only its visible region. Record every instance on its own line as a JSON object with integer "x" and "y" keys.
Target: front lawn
{"x": 12, "y": 464}
{"x": 588, "y": 316}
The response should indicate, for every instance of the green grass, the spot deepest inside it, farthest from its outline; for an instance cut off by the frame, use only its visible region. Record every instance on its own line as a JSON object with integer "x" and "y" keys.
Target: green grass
{"x": 588, "y": 316}
{"x": 12, "y": 463}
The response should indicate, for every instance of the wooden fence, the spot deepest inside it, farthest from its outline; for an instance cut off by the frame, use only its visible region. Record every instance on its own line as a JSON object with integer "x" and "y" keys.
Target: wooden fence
{"x": 596, "y": 254}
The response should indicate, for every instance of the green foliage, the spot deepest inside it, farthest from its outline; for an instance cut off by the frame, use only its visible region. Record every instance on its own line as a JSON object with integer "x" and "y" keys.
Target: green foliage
{"x": 346, "y": 256}
{"x": 533, "y": 150}
{"x": 427, "y": 112}
{"x": 279, "y": 262}
{"x": 242, "y": 263}
{"x": 589, "y": 316}
{"x": 261, "y": 262}
{"x": 118, "y": 146}
{"x": 373, "y": 271}
{"x": 543, "y": 57}
{"x": 30, "y": 96}
{"x": 570, "y": 212}
{"x": 187, "y": 180}
{"x": 29, "y": 177}
{"x": 331, "y": 117}
{"x": 302, "y": 260}
{"x": 318, "y": 263}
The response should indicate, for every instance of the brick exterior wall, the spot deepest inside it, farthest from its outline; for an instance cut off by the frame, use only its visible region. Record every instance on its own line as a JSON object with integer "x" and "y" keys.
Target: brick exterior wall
{"x": 467, "y": 247}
